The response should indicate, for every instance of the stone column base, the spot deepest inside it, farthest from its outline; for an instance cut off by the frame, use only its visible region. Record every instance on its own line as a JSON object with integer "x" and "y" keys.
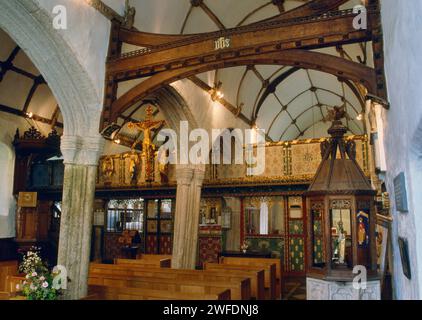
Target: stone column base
{"x": 317, "y": 289}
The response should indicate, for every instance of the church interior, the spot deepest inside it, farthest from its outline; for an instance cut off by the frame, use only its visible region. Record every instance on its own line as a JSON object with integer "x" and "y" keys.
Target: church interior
{"x": 317, "y": 101}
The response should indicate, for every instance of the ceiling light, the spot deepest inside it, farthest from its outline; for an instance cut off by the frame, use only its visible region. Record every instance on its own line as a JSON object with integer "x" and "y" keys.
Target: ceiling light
{"x": 215, "y": 92}
{"x": 359, "y": 117}
{"x": 117, "y": 141}
{"x": 29, "y": 115}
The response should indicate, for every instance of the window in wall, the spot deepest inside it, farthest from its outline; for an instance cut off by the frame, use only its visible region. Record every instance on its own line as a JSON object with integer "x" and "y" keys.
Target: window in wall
{"x": 125, "y": 214}
{"x": 264, "y": 216}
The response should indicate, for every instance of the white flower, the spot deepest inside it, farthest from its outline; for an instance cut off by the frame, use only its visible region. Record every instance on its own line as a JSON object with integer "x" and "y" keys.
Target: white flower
{"x": 45, "y": 284}
{"x": 17, "y": 287}
{"x": 34, "y": 274}
{"x": 42, "y": 278}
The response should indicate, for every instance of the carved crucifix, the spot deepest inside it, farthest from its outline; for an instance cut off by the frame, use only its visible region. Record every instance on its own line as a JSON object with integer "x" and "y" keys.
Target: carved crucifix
{"x": 148, "y": 147}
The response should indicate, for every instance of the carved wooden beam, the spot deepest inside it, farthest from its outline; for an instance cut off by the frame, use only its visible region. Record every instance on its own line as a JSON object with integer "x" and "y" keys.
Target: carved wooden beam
{"x": 332, "y": 29}
{"x": 297, "y": 58}
{"x": 311, "y": 8}
{"x": 145, "y": 39}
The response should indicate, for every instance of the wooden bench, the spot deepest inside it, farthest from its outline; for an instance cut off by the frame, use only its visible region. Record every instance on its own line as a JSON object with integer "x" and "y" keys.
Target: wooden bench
{"x": 113, "y": 293}
{"x": 256, "y": 275}
{"x": 253, "y": 262}
{"x": 176, "y": 274}
{"x": 162, "y": 263}
{"x": 239, "y": 291}
{"x": 153, "y": 257}
{"x": 5, "y": 295}
{"x": 7, "y": 268}
{"x": 270, "y": 273}
{"x": 12, "y": 282}
{"x": 166, "y": 273}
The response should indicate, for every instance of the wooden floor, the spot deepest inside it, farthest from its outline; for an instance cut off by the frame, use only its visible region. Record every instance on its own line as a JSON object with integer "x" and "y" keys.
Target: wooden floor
{"x": 294, "y": 289}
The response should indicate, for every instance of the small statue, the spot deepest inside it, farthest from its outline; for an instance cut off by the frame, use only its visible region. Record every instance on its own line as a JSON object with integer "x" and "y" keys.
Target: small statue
{"x": 163, "y": 166}
{"x": 107, "y": 168}
{"x": 340, "y": 245}
{"x": 129, "y": 16}
{"x": 361, "y": 233}
{"x": 133, "y": 166}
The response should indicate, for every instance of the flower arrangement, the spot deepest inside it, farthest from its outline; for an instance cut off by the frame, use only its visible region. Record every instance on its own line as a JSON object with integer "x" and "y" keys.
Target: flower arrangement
{"x": 32, "y": 262}
{"x": 39, "y": 281}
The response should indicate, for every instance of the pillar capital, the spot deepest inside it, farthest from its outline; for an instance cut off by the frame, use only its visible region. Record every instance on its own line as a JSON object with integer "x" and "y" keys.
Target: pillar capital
{"x": 199, "y": 174}
{"x": 184, "y": 175}
{"x": 82, "y": 150}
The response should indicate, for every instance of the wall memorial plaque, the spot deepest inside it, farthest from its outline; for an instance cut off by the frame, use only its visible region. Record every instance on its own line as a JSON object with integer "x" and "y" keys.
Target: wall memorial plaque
{"x": 400, "y": 193}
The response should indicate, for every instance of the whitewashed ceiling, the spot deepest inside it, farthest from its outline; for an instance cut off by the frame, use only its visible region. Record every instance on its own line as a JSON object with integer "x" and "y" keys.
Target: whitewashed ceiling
{"x": 23, "y": 90}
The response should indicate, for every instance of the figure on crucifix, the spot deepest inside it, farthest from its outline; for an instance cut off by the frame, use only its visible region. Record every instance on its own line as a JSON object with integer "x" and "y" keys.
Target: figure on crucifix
{"x": 148, "y": 148}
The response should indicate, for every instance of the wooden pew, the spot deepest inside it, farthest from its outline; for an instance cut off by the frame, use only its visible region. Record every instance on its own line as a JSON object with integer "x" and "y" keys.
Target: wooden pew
{"x": 253, "y": 261}
{"x": 12, "y": 282}
{"x": 5, "y": 295}
{"x": 239, "y": 291}
{"x": 163, "y": 263}
{"x": 113, "y": 293}
{"x": 153, "y": 257}
{"x": 256, "y": 275}
{"x": 166, "y": 273}
{"x": 176, "y": 274}
{"x": 7, "y": 268}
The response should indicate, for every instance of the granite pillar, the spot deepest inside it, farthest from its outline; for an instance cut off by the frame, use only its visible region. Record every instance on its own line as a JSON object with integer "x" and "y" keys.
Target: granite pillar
{"x": 81, "y": 158}
{"x": 188, "y": 197}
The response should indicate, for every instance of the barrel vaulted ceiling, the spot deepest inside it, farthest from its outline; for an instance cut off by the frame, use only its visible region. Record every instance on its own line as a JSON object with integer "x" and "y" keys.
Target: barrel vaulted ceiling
{"x": 287, "y": 102}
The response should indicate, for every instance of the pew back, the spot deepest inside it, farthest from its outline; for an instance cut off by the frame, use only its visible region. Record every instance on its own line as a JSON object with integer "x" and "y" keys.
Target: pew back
{"x": 163, "y": 263}
{"x": 239, "y": 290}
{"x": 112, "y": 293}
{"x": 256, "y": 275}
{"x": 5, "y": 295}
{"x": 153, "y": 257}
{"x": 167, "y": 273}
{"x": 270, "y": 272}
{"x": 12, "y": 283}
{"x": 7, "y": 268}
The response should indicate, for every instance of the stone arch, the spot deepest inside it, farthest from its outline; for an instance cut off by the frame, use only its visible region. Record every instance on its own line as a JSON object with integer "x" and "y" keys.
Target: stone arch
{"x": 32, "y": 29}
{"x": 174, "y": 108}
